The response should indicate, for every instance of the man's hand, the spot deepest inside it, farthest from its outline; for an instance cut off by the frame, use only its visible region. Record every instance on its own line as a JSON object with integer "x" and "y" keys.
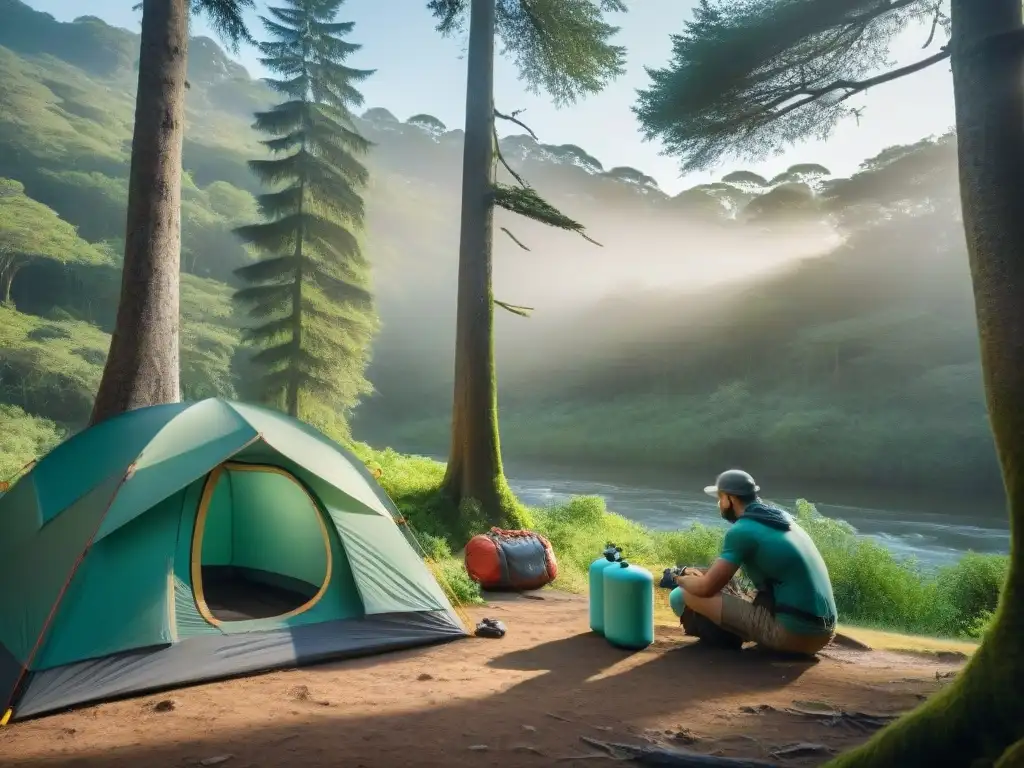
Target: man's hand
{"x": 692, "y": 583}
{"x": 707, "y": 584}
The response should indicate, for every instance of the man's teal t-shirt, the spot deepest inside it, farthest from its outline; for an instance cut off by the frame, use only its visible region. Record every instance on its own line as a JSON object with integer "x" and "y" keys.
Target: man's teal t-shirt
{"x": 793, "y": 564}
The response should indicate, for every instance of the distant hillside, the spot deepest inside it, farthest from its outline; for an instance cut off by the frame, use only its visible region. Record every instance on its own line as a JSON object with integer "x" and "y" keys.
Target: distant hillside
{"x": 808, "y": 325}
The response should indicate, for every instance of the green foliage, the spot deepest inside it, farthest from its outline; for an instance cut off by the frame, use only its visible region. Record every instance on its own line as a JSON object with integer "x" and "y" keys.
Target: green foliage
{"x": 562, "y": 47}
{"x": 749, "y": 78}
{"x": 22, "y": 439}
{"x": 209, "y": 339}
{"x": 30, "y": 230}
{"x": 308, "y": 294}
{"x": 52, "y": 367}
{"x": 526, "y": 202}
{"x": 227, "y": 18}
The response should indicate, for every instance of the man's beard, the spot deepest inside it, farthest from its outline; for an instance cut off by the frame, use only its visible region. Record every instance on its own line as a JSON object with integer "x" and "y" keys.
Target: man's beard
{"x": 728, "y": 514}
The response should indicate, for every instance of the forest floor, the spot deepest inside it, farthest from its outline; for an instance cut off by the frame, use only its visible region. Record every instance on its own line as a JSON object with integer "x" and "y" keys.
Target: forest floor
{"x": 528, "y": 699}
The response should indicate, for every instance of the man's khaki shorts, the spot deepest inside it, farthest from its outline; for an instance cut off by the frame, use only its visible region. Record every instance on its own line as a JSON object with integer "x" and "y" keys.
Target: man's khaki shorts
{"x": 756, "y": 624}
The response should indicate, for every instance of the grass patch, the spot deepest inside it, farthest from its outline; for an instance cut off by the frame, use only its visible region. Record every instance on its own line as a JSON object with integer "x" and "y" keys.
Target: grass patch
{"x": 874, "y": 589}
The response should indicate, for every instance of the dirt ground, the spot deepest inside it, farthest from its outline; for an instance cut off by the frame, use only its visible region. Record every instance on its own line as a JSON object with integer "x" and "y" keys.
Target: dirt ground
{"x": 524, "y": 700}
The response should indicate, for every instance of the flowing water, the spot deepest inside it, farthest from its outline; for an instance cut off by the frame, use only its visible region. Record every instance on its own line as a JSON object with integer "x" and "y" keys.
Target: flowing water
{"x": 934, "y": 538}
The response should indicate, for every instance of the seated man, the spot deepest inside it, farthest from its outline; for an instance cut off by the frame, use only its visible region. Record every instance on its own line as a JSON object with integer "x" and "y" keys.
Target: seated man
{"x": 794, "y": 610}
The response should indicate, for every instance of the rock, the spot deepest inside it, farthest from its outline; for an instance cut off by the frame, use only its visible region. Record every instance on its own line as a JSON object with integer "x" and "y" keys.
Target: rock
{"x": 800, "y": 750}
{"x": 757, "y": 709}
{"x": 425, "y": 677}
{"x": 529, "y": 728}
{"x": 527, "y": 748}
{"x": 816, "y": 707}
{"x": 165, "y": 705}
{"x": 683, "y": 736}
{"x": 300, "y": 693}
{"x": 216, "y": 760}
{"x": 479, "y": 748}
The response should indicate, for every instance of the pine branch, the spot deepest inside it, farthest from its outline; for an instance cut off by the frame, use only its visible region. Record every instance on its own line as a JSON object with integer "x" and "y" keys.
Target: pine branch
{"x": 273, "y": 269}
{"x": 937, "y": 19}
{"x": 501, "y": 158}
{"x": 270, "y": 331}
{"x": 267, "y": 298}
{"x": 526, "y": 202}
{"x": 852, "y": 87}
{"x": 515, "y": 309}
{"x": 513, "y": 118}
{"x": 227, "y": 19}
{"x": 275, "y": 356}
{"x": 514, "y": 239}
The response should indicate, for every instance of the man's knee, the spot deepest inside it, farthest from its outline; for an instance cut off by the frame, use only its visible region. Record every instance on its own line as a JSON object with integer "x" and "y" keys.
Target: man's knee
{"x": 705, "y": 606}
{"x": 692, "y": 601}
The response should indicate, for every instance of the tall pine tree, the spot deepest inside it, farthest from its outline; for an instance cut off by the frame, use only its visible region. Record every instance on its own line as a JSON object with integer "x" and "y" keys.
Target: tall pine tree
{"x": 561, "y": 47}
{"x": 308, "y": 296}
{"x": 142, "y": 365}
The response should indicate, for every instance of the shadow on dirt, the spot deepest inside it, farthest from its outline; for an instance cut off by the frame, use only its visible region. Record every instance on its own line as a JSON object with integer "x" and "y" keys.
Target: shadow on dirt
{"x": 584, "y": 685}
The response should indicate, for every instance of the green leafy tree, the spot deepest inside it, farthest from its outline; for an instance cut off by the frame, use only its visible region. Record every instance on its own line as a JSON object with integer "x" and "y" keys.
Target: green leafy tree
{"x": 563, "y": 48}
{"x": 309, "y": 291}
{"x": 142, "y": 366}
{"x": 749, "y": 77}
{"x": 29, "y": 231}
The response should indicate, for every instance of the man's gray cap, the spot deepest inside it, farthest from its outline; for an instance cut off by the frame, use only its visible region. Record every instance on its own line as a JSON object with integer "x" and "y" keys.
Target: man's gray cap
{"x": 734, "y": 482}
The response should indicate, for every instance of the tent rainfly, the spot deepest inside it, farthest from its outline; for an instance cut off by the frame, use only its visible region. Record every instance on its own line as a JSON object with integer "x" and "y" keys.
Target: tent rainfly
{"x": 193, "y": 541}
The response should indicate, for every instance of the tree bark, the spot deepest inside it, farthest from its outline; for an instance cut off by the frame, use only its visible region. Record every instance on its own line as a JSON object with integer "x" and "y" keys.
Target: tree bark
{"x": 295, "y": 374}
{"x": 474, "y": 469}
{"x": 981, "y": 716}
{"x": 9, "y": 266}
{"x": 142, "y": 366}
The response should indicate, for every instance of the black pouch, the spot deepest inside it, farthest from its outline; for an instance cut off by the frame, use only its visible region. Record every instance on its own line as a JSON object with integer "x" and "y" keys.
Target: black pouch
{"x": 491, "y": 628}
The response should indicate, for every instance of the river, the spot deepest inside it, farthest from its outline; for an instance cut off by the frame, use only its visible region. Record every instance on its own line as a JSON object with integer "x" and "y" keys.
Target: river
{"x": 917, "y": 530}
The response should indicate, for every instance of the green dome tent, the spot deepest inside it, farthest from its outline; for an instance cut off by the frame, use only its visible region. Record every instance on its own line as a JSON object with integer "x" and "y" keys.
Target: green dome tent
{"x": 193, "y": 541}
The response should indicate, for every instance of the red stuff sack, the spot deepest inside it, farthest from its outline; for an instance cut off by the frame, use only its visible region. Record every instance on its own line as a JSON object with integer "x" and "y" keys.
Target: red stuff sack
{"x": 510, "y": 560}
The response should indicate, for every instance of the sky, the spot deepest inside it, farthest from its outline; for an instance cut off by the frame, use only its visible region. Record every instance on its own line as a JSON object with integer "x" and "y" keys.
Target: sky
{"x": 419, "y": 71}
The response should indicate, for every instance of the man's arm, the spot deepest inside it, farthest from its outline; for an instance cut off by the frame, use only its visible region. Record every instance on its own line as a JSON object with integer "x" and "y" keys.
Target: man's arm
{"x": 738, "y": 547}
{"x": 712, "y": 582}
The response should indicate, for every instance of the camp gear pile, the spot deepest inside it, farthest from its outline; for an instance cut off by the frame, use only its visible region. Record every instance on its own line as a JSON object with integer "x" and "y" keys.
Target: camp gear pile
{"x": 510, "y": 560}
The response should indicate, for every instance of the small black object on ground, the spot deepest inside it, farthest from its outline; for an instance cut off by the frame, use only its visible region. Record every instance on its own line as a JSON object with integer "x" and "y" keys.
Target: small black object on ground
{"x": 491, "y": 628}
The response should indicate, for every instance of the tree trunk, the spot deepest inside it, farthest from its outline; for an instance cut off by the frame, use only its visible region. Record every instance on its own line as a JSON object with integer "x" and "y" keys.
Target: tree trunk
{"x": 474, "y": 464}
{"x": 142, "y": 366}
{"x": 9, "y": 266}
{"x": 981, "y": 715}
{"x": 295, "y": 378}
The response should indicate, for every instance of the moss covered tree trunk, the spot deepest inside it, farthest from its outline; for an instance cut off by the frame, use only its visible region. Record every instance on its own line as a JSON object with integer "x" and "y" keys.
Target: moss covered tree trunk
{"x": 474, "y": 464}
{"x": 142, "y": 366}
{"x": 981, "y": 715}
